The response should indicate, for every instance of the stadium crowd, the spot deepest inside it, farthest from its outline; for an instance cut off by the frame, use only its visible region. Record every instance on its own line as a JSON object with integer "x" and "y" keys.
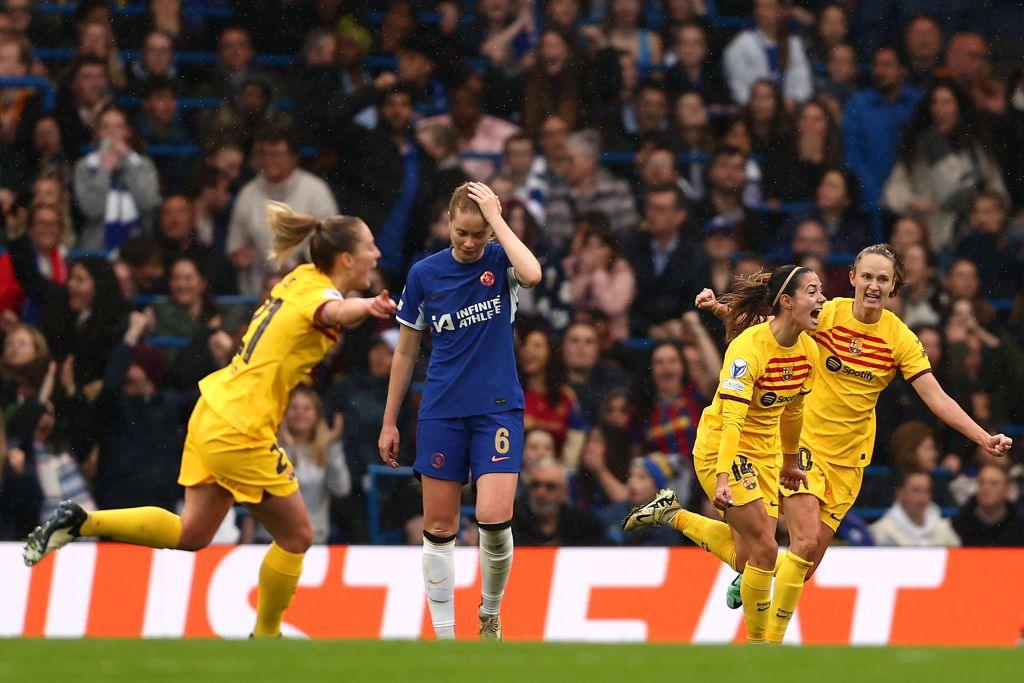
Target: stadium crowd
{"x": 643, "y": 150}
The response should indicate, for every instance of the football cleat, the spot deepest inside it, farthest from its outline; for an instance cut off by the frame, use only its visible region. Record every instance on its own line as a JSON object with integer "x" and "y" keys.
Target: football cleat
{"x": 490, "y": 626}
{"x": 654, "y": 513}
{"x": 733, "y": 597}
{"x": 57, "y": 531}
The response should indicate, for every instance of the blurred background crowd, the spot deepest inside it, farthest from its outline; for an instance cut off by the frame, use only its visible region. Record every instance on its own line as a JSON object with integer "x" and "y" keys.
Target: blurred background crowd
{"x": 643, "y": 149}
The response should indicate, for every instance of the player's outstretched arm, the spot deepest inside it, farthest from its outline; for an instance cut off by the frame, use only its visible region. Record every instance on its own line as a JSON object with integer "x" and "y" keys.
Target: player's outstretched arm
{"x": 950, "y": 412}
{"x": 406, "y": 351}
{"x": 706, "y": 301}
{"x": 526, "y": 266}
{"x": 353, "y": 310}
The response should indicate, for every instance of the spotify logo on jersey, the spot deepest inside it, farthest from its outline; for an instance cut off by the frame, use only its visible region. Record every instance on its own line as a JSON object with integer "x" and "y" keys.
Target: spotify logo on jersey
{"x": 833, "y": 364}
{"x": 768, "y": 398}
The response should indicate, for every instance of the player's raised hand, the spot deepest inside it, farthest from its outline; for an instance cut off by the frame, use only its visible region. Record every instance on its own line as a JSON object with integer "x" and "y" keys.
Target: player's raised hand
{"x": 705, "y": 300}
{"x": 381, "y": 306}
{"x": 490, "y": 205}
{"x": 998, "y": 445}
{"x": 387, "y": 445}
{"x": 723, "y": 495}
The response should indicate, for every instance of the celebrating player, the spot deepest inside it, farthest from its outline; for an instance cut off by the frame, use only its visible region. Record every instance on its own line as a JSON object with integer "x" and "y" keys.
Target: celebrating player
{"x": 862, "y": 345}
{"x": 231, "y": 454}
{"x": 756, "y": 414}
{"x": 471, "y": 414}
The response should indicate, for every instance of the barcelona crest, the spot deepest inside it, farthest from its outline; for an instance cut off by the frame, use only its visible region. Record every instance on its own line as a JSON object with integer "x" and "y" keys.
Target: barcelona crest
{"x": 787, "y": 373}
{"x": 855, "y": 346}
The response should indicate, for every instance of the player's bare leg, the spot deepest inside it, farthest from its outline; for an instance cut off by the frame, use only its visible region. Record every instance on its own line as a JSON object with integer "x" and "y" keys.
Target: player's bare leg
{"x": 286, "y": 519}
{"x": 495, "y": 498}
{"x": 825, "y": 536}
{"x": 441, "y": 499}
{"x": 201, "y": 516}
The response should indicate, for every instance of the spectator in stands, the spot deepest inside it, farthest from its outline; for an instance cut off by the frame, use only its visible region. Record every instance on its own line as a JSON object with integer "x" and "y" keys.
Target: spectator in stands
{"x": 842, "y": 80}
{"x": 622, "y": 32}
{"x": 550, "y": 403}
{"x": 691, "y": 67}
{"x": 137, "y": 426}
{"x": 190, "y": 310}
{"x": 832, "y": 28}
{"x": 907, "y": 231}
{"x": 914, "y": 449}
{"x": 768, "y": 123}
{"x": 116, "y": 188}
{"x": 479, "y": 133}
{"x": 83, "y": 97}
{"x": 727, "y": 182}
{"x": 280, "y": 179}
{"x": 20, "y": 109}
{"x": 922, "y": 43}
{"x": 235, "y": 66}
{"x": 177, "y": 238}
{"x": 553, "y": 85}
{"x": 836, "y": 208}
{"x": 19, "y": 12}
{"x": 668, "y": 272}
{"x": 768, "y": 51}
{"x": 416, "y": 68}
{"x": 494, "y": 33}
{"x": 873, "y": 122}
{"x": 544, "y": 516}
{"x": 241, "y": 118}
{"x": 159, "y": 124}
{"x": 989, "y": 519}
{"x": 538, "y": 446}
{"x": 944, "y": 160}
{"x": 604, "y": 471}
{"x": 967, "y": 65}
{"x": 919, "y": 290}
{"x": 49, "y": 159}
{"x": 791, "y": 172}
{"x": 45, "y": 237}
{"x": 737, "y": 134}
{"x": 993, "y": 251}
{"x": 441, "y": 143}
{"x": 145, "y": 265}
{"x": 914, "y": 520}
{"x": 519, "y": 160}
{"x": 695, "y": 137}
{"x": 318, "y": 456}
{"x": 551, "y": 139}
{"x": 588, "y": 376}
{"x": 96, "y": 39}
{"x": 644, "y": 117}
{"x": 156, "y": 59}
{"x": 601, "y": 278}
{"x": 810, "y": 239}
{"x": 719, "y": 250}
{"x": 588, "y": 188}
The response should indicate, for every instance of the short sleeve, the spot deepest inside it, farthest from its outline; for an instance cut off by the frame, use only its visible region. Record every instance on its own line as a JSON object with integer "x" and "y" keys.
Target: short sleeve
{"x": 911, "y": 358}
{"x": 410, "y": 305}
{"x": 739, "y": 371}
{"x": 312, "y": 298}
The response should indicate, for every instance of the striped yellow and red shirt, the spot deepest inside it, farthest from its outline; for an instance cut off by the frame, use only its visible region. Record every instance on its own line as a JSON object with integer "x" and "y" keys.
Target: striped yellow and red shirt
{"x": 759, "y": 380}
{"x": 856, "y": 362}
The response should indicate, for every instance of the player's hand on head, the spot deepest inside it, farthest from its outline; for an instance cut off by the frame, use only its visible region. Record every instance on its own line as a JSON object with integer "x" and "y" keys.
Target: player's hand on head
{"x": 490, "y": 205}
{"x": 387, "y": 445}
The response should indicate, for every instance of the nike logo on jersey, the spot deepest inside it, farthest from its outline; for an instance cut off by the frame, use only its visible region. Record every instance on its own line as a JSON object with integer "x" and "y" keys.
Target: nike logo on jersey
{"x": 495, "y": 458}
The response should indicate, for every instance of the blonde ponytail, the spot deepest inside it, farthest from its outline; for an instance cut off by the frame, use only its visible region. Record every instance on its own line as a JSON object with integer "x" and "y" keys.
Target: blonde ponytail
{"x": 289, "y": 228}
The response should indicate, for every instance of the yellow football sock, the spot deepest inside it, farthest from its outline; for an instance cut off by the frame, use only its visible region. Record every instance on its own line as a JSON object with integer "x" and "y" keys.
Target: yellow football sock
{"x": 789, "y": 583}
{"x": 279, "y": 577}
{"x": 756, "y": 590}
{"x": 714, "y": 536}
{"x": 149, "y": 526}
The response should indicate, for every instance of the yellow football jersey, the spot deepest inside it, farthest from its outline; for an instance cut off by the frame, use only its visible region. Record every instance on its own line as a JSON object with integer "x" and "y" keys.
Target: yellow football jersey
{"x": 279, "y": 350}
{"x": 856, "y": 362}
{"x": 759, "y": 379}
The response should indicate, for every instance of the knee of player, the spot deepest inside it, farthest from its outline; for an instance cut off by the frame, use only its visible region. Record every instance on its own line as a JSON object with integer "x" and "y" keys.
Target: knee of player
{"x": 765, "y": 546}
{"x": 195, "y": 539}
{"x": 804, "y": 542}
{"x": 440, "y": 530}
{"x": 301, "y": 538}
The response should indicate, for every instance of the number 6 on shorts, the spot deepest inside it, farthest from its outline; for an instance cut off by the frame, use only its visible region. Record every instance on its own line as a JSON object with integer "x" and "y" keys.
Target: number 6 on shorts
{"x": 501, "y": 444}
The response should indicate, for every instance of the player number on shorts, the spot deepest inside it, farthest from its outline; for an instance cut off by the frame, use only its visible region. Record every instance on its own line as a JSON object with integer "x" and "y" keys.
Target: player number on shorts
{"x": 501, "y": 440}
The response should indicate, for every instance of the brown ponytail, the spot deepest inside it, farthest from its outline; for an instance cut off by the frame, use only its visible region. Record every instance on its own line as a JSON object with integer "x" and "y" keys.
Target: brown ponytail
{"x": 753, "y": 299}
{"x": 331, "y": 236}
{"x": 894, "y": 257}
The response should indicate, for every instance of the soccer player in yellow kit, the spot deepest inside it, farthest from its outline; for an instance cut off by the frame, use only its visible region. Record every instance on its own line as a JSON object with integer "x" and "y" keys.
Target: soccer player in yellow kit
{"x": 862, "y": 346}
{"x": 755, "y": 416}
{"x": 231, "y": 453}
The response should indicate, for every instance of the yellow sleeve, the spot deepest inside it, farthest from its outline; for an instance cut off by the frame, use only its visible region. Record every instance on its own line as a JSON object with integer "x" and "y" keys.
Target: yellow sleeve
{"x": 311, "y": 298}
{"x": 742, "y": 367}
{"x": 790, "y": 424}
{"x": 910, "y": 355}
{"x": 811, "y": 349}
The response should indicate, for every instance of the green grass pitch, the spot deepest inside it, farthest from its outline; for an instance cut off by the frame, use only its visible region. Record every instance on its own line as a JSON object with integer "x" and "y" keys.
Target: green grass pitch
{"x": 198, "y": 661}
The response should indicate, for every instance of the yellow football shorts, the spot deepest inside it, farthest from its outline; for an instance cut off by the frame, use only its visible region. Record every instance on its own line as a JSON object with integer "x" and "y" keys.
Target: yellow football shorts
{"x": 749, "y": 480}
{"x": 215, "y": 452}
{"x": 836, "y": 486}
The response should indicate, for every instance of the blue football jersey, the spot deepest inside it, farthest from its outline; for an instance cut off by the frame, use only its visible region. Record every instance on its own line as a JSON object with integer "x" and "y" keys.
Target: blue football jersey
{"x": 469, "y": 309}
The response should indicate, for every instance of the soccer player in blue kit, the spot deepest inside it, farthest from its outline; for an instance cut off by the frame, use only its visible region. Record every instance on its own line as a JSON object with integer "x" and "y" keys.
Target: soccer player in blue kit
{"x": 471, "y": 413}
